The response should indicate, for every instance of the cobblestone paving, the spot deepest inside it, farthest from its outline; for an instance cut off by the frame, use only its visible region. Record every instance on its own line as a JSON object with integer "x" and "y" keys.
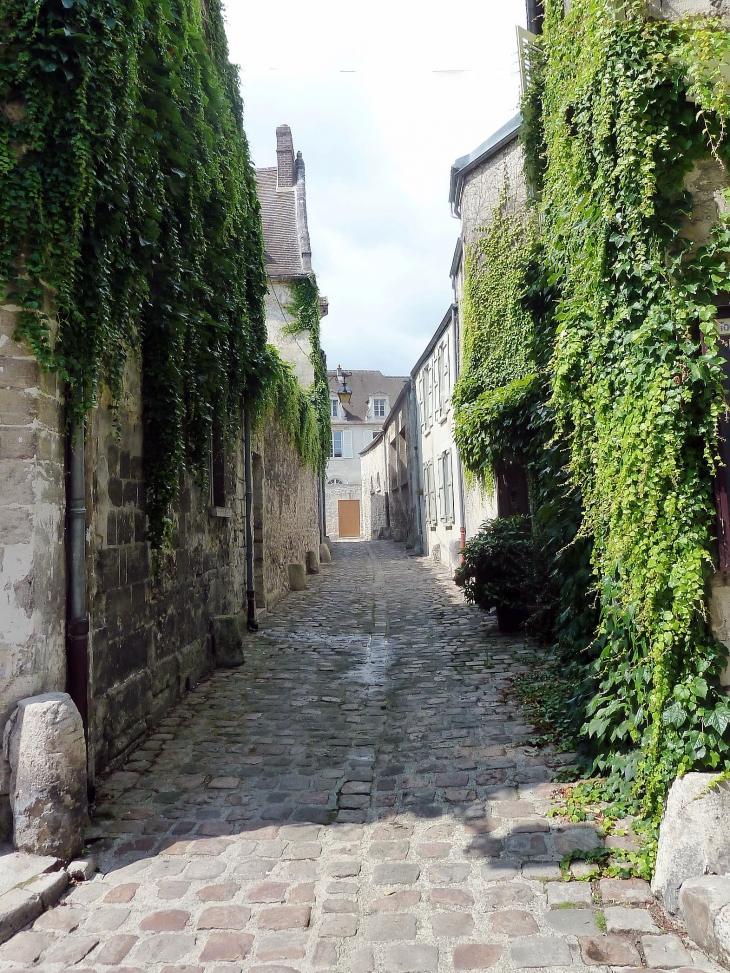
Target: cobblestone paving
{"x": 358, "y": 797}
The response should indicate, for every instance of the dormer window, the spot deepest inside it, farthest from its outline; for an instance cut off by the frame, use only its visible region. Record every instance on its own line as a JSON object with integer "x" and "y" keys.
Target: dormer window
{"x": 379, "y": 408}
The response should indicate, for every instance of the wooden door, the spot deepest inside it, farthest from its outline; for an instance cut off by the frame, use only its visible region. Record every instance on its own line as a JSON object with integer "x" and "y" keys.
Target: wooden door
{"x": 348, "y": 515}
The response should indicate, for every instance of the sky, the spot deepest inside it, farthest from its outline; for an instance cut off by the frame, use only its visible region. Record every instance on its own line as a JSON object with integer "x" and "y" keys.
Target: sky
{"x": 381, "y": 98}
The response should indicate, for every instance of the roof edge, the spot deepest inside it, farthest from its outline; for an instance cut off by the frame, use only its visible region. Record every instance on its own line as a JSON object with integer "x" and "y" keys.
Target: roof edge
{"x": 465, "y": 163}
{"x": 445, "y": 322}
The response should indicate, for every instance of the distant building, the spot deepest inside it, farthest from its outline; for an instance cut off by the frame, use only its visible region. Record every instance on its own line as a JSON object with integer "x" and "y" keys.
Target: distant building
{"x": 353, "y": 427}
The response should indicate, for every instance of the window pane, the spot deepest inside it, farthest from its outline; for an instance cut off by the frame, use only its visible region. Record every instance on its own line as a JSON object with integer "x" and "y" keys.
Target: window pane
{"x": 335, "y": 403}
{"x": 337, "y": 445}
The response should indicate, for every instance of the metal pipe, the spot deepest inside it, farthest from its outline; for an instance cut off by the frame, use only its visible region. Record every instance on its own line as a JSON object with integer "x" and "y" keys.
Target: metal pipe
{"x": 459, "y": 465}
{"x": 77, "y": 620}
{"x": 251, "y": 622}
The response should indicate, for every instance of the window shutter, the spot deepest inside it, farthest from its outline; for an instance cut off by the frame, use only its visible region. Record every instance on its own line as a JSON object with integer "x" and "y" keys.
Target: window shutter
{"x": 437, "y": 384}
{"x": 447, "y": 376}
{"x": 429, "y": 394}
{"x": 419, "y": 393}
{"x": 442, "y": 488}
{"x": 433, "y": 495}
{"x": 449, "y": 484}
{"x": 347, "y": 444}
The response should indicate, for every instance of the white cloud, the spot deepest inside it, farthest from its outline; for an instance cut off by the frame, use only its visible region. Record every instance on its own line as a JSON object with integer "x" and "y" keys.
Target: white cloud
{"x": 428, "y": 84}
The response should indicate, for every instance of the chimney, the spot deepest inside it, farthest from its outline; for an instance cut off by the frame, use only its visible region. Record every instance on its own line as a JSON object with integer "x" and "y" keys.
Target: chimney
{"x": 284, "y": 157}
{"x": 305, "y": 247}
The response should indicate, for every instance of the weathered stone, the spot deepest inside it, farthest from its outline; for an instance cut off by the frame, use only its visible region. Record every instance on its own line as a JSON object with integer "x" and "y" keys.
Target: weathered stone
{"x": 609, "y": 951}
{"x": 694, "y": 837}
{"x": 514, "y": 922}
{"x": 311, "y": 560}
{"x": 411, "y": 959}
{"x": 49, "y": 887}
{"x": 324, "y": 554}
{"x": 621, "y": 919}
{"x": 228, "y": 638}
{"x": 572, "y": 922}
{"x": 298, "y": 577}
{"x": 701, "y": 901}
{"x": 18, "y": 907}
{"x": 665, "y": 952}
{"x": 540, "y": 951}
{"x": 386, "y": 928}
{"x": 476, "y": 956}
{"x": 45, "y": 747}
{"x": 569, "y": 893}
{"x": 82, "y": 869}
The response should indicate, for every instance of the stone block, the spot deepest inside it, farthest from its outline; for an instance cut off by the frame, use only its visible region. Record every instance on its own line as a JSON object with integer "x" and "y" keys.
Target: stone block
{"x": 476, "y": 956}
{"x": 701, "y": 901}
{"x": 324, "y": 554}
{"x": 609, "y": 950}
{"x": 541, "y": 951}
{"x": 694, "y": 837}
{"x": 665, "y": 952}
{"x": 411, "y": 959}
{"x": 311, "y": 560}
{"x": 621, "y": 919}
{"x": 45, "y": 747}
{"x": 50, "y": 888}
{"x": 297, "y": 577}
{"x": 82, "y": 869}
{"x": 572, "y": 922}
{"x": 228, "y": 632}
{"x": 569, "y": 893}
{"x": 18, "y": 907}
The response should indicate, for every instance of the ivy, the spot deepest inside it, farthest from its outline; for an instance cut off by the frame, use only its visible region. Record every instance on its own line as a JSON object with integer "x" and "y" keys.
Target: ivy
{"x": 618, "y": 426}
{"x": 129, "y": 223}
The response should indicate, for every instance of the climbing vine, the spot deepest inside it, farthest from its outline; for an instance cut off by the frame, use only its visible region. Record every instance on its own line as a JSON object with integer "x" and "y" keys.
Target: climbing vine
{"x": 612, "y": 387}
{"x": 128, "y": 217}
{"x": 305, "y": 313}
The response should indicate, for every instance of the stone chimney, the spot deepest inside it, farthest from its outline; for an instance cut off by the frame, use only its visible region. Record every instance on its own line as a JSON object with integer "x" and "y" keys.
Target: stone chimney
{"x": 284, "y": 157}
{"x": 305, "y": 247}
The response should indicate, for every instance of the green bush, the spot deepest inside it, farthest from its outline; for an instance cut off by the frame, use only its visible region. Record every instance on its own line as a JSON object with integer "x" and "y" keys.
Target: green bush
{"x": 499, "y": 565}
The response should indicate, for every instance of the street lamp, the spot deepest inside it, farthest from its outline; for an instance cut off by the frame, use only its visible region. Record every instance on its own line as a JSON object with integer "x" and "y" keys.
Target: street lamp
{"x": 344, "y": 392}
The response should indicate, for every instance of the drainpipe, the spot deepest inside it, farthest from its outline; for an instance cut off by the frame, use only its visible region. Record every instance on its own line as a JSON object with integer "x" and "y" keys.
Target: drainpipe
{"x": 459, "y": 467}
{"x": 251, "y": 622}
{"x": 77, "y": 620}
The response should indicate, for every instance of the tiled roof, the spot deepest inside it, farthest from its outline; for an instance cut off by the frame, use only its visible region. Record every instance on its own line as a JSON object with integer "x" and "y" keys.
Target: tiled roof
{"x": 365, "y": 384}
{"x": 279, "y": 218}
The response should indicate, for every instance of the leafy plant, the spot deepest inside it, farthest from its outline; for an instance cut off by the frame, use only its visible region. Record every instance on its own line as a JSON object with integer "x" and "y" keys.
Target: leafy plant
{"x": 498, "y": 566}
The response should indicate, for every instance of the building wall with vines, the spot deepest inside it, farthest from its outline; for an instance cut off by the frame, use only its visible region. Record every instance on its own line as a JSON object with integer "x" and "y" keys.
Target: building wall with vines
{"x": 131, "y": 251}
{"x": 617, "y": 401}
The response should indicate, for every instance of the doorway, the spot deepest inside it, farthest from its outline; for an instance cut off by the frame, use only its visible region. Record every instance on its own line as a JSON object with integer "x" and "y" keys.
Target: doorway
{"x": 348, "y": 517}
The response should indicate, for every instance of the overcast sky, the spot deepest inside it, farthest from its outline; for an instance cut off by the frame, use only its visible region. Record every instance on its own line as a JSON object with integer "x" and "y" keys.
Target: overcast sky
{"x": 381, "y": 97}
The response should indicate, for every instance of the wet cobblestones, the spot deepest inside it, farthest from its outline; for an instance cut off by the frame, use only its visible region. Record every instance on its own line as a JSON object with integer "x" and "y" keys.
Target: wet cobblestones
{"x": 358, "y": 797}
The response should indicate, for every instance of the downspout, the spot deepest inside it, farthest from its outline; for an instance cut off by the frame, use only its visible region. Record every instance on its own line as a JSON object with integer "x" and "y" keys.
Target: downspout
{"x": 77, "y": 620}
{"x": 459, "y": 467}
{"x": 251, "y": 622}
{"x": 417, "y": 488}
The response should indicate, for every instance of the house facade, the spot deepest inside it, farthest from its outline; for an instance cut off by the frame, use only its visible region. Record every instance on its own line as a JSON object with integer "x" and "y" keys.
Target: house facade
{"x": 389, "y": 507}
{"x": 354, "y": 426}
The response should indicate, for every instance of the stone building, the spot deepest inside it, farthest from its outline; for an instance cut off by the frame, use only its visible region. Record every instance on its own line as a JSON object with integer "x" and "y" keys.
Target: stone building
{"x": 387, "y": 463}
{"x": 150, "y": 620}
{"x": 354, "y": 425}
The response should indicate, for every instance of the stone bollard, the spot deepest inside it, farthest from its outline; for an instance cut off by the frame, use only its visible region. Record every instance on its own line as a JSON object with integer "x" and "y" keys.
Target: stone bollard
{"x": 228, "y": 640}
{"x": 324, "y": 554}
{"x": 297, "y": 577}
{"x": 45, "y": 747}
{"x": 694, "y": 836}
{"x": 312, "y": 561}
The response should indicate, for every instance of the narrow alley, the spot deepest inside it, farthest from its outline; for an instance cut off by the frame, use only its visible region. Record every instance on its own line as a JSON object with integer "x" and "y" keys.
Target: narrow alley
{"x": 358, "y": 796}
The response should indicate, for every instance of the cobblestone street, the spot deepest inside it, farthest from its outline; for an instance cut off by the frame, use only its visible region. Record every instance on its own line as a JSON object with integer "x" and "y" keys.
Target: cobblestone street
{"x": 357, "y": 797}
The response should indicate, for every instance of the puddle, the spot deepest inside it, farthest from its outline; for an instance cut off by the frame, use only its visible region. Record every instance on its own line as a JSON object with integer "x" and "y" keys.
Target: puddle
{"x": 372, "y": 672}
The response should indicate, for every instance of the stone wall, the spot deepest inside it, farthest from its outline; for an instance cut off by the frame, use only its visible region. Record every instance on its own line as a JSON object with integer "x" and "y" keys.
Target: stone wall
{"x": 294, "y": 349}
{"x": 373, "y": 505}
{"x": 150, "y": 622}
{"x": 290, "y": 509}
{"x": 335, "y": 492}
{"x": 483, "y": 188}
{"x": 150, "y": 634}
{"x": 32, "y": 514}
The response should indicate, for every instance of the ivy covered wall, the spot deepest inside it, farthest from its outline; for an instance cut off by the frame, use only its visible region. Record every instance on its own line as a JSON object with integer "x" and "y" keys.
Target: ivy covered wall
{"x": 126, "y": 190}
{"x": 614, "y": 388}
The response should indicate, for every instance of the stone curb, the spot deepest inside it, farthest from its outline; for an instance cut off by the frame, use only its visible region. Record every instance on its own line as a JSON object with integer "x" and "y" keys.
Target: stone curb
{"x": 704, "y": 903}
{"x": 23, "y": 904}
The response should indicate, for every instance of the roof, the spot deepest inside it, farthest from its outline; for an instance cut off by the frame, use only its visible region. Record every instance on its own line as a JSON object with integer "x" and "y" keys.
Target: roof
{"x": 365, "y": 384}
{"x": 445, "y": 322}
{"x": 463, "y": 165}
{"x": 279, "y": 218}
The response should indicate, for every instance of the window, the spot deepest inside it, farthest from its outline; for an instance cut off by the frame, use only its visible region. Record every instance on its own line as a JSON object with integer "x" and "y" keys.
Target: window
{"x": 367, "y": 437}
{"x": 437, "y": 390}
{"x": 429, "y": 492}
{"x": 379, "y": 408}
{"x": 446, "y": 487}
{"x": 335, "y": 407}
{"x": 342, "y": 444}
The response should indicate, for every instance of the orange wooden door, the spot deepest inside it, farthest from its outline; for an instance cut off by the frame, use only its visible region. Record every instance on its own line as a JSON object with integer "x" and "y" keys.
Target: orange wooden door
{"x": 348, "y": 515}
